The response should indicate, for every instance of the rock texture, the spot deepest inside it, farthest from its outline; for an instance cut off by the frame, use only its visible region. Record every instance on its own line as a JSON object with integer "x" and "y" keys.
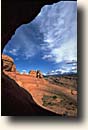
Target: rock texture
{"x": 32, "y": 73}
{"x": 13, "y": 68}
{"x": 55, "y": 98}
{"x": 16, "y": 101}
{"x": 39, "y": 74}
{"x": 36, "y": 74}
{"x": 8, "y": 63}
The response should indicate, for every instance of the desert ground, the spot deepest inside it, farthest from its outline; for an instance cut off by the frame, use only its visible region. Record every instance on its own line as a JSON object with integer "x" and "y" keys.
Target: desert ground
{"x": 55, "y": 93}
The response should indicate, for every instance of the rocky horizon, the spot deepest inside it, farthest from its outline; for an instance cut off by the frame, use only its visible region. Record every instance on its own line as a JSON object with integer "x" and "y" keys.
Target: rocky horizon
{"x": 49, "y": 93}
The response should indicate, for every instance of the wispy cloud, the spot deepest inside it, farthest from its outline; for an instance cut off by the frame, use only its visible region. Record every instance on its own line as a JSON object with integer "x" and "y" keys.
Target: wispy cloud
{"x": 51, "y": 36}
{"x": 46, "y": 57}
{"x": 13, "y": 52}
{"x": 22, "y": 43}
{"x": 63, "y": 70}
{"x": 59, "y": 31}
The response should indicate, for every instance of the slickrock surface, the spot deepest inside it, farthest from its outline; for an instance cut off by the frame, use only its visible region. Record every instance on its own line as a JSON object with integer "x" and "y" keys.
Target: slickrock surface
{"x": 58, "y": 99}
{"x": 16, "y": 101}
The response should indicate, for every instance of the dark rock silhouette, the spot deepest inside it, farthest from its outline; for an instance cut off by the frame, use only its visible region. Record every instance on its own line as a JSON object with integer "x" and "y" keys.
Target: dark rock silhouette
{"x": 39, "y": 74}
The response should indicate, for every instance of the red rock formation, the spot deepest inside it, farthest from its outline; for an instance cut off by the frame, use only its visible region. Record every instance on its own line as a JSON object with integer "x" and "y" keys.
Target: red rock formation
{"x": 36, "y": 74}
{"x": 32, "y": 73}
{"x": 8, "y": 63}
{"x": 13, "y": 68}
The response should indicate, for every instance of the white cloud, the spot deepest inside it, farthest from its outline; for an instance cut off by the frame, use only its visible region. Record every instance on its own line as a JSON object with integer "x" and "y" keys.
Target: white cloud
{"x": 67, "y": 51}
{"x": 63, "y": 70}
{"x": 46, "y": 57}
{"x": 24, "y": 71}
{"x": 13, "y": 52}
{"x": 59, "y": 31}
{"x": 73, "y": 67}
{"x": 44, "y": 74}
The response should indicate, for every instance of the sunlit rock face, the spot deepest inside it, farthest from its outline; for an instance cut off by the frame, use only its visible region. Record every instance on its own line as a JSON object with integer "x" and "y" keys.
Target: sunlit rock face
{"x": 36, "y": 74}
{"x": 8, "y": 63}
{"x": 32, "y": 73}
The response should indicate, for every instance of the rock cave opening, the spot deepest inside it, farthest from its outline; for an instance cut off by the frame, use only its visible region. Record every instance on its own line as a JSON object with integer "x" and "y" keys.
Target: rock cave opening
{"x": 34, "y": 48}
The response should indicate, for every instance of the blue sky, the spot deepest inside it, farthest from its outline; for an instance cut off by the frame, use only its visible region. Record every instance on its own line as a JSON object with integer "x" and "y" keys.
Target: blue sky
{"x": 49, "y": 42}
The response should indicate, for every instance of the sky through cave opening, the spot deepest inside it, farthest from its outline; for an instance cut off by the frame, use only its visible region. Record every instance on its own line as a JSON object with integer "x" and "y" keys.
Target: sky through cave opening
{"x": 49, "y": 42}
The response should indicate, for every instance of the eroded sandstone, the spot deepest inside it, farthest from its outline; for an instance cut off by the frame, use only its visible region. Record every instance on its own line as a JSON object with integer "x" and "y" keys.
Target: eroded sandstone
{"x": 8, "y": 63}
